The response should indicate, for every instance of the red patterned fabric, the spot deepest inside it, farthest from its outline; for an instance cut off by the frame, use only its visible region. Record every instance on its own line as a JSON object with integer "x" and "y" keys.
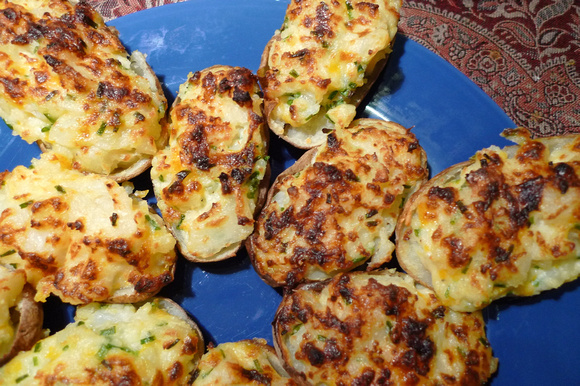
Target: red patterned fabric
{"x": 524, "y": 54}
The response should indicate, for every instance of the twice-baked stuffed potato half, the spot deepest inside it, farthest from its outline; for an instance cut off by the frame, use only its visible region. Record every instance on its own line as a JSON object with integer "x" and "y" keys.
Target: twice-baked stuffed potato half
{"x": 504, "y": 222}
{"x": 20, "y": 316}
{"x": 82, "y": 237}
{"x": 318, "y": 67}
{"x": 247, "y": 362}
{"x": 67, "y": 82}
{"x": 376, "y": 328}
{"x": 337, "y": 206}
{"x": 154, "y": 343}
{"x": 211, "y": 178}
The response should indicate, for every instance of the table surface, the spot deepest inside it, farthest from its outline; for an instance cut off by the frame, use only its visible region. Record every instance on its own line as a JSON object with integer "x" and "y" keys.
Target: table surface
{"x": 524, "y": 54}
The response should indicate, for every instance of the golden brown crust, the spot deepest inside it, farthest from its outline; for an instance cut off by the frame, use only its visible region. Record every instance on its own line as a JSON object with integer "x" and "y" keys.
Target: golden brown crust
{"x": 503, "y": 223}
{"x": 378, "y": 327}
{"x": 320, "y": 65}
{"x": 336, "y": 206}
{"x": 218, "y": 133}
{"x": 88, "y": 99}
{"x": 29, "y": 314}
{"x": 117, "y": 251}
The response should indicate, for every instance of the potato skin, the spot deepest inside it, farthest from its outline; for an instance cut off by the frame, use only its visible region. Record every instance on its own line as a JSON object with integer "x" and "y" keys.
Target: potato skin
{"x": 212, "y": 178}
{"x": 29, "y": 324}
{"x": 154, "y": 342}
{"x": 115, "y": 251}
{"x": 503, "y": 223}
{"x": 336, "y": 207}
{"x": 321, "y": 63}
{"x": 245, "y": 362}
{"x": 68, "y": 84}
{"x": 378, "y": 328}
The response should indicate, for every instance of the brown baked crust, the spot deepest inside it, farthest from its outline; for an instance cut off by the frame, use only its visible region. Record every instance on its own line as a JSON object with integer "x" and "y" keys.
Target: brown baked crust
{"x": 336, "y": 206}
{"x": 218, "y": 133}
{"x": 503, "y": 223}
{"x": 301, "y": 69}
{"x": 375, "y": 328}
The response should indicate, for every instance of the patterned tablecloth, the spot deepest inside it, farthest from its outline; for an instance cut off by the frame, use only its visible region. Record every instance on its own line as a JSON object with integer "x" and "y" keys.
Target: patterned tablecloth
{"x": 524, "y": 54}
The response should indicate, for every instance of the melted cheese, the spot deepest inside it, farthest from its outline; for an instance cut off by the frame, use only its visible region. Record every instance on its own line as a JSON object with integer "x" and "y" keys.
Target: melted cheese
{"x": 66, "y": 80}
{"x": 340, "y": 210}
{"x": 207, "y": 179}
{"x": 506, "y": 223}
{"x": 11, "y": 285}
{"x": 379, "y": 328}
{"x": 247, "y": 362}
{"x": 324, "y": 51}
{"x": 82, "y": 237}
{"x": 112, "y": 344}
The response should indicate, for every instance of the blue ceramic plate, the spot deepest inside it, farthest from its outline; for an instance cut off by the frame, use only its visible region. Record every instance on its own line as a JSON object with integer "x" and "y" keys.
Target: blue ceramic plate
{"x": 536, "y": 339}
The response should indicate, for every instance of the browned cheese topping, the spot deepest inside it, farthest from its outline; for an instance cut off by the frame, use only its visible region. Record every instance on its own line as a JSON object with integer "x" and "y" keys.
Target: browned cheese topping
{"x": 82, "y": 237}
{"x": 317, "y": 66}
{"x": 247, "y": 362}
{"x": 339, "y": 210}
{"x": 507, "y": 222}
{"x": 207, "y": 179}
{"x": 67, "y": 81}
{"x": 379, "y": 328}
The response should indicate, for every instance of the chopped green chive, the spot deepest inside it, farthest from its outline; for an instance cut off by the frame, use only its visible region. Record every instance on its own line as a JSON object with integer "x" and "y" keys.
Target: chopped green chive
{"x": 181, "y": 218}
{"x": 296, "y": 328}
{"x": 161, "y": 178}
{"x": 50, "y": 119}
{"x": 293, "y": 73}
{"x": 8, "y": 253}
{"x": 349, "y": 9}
{"x": 105, "y": 348}
{"x": 21, "y": 378}
{"x": 37, "y": 347}
{"x": 25, "y": 204}
{"x": 108, "y": 331}
{"x": 60, "y": 189}
{"x": 152, "y": 222}
{"x": 253, "y": 182}
{"x": 35, "y": 361}
{"x": 327, "y": 117}
{"x": 65, "y": 348}
{"x": 258, "y": 366}
{"x": 102, "y": 128}
{"x": 148, "y": 339}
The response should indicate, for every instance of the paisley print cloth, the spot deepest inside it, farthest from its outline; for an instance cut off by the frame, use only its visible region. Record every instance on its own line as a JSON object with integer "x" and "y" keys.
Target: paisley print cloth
{"x": 524, "y": 54}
